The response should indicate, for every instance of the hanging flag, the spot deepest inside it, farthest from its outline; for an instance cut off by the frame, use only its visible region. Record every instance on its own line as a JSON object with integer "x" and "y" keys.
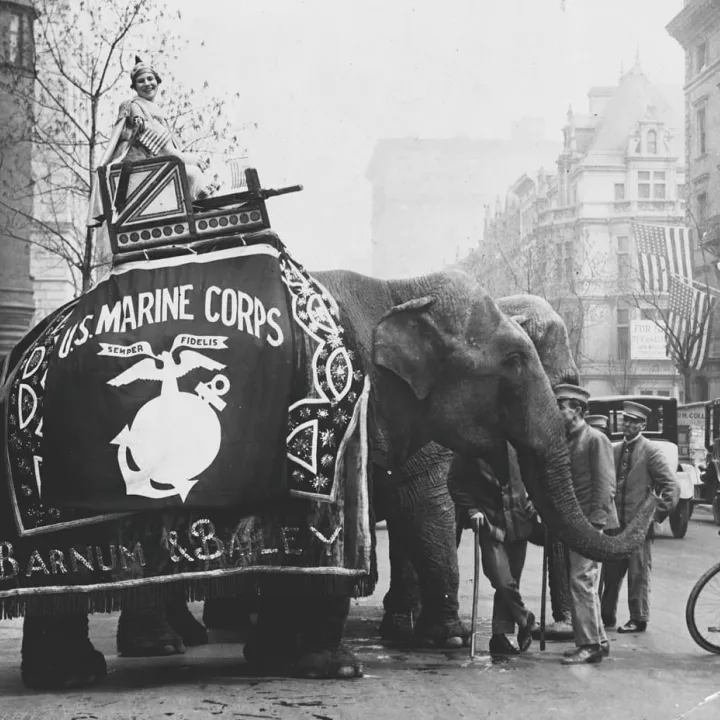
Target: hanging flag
{"x": 237, "y": 173}
{"x": 689, "y": 312}
{"x": 662, "y": 251}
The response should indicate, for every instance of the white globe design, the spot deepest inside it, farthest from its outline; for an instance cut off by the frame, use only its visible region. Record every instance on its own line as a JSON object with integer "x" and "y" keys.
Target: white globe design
{"x": 174, "y": 437}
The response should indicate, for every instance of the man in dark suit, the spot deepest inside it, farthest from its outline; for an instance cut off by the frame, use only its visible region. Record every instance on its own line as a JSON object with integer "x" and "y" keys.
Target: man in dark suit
{"x": 641, "y": 469}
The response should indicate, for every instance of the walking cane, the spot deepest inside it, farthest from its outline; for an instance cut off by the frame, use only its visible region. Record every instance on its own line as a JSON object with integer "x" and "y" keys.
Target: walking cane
{"x": 476, "y": 592}
{"x": 543, "y": 601}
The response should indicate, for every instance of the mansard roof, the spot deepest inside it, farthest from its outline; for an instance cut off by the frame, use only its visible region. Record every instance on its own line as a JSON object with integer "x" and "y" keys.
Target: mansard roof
{"x": 636, "y": 99}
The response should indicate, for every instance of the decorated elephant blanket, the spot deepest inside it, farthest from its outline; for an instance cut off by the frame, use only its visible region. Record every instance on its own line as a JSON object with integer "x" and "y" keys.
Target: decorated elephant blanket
{"x": 196, "y": 419}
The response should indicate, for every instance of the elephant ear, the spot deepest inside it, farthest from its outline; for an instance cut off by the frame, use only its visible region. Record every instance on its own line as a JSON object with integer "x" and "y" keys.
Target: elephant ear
{"x": 521, "y": 320}
{"x": 408, "y": 343}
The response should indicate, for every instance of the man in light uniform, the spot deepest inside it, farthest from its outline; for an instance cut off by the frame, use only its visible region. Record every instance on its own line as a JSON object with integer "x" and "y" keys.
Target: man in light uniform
{"x": 641, "y": 468}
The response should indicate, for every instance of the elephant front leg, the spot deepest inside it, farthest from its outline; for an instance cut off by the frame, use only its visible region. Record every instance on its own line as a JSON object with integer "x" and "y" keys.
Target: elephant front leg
{"x": 402, "y": 601}
{"x": 322, "y": 652}
{"x": 57, "y": 653}
{"x": 425, "y": 523}
{"x": 301, "y": 636}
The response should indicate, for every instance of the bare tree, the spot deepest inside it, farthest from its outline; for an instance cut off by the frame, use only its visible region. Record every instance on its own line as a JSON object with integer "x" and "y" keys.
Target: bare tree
{"x": 560, "y": 266}
{"x": 83, "y": 53}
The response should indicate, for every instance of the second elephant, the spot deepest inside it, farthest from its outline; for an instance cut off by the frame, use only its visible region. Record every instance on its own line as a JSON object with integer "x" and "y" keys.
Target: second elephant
{"x": 415, "y": 499}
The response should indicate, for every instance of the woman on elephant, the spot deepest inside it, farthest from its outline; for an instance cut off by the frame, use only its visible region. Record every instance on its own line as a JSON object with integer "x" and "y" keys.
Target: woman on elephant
{"x": 491, "y": 499}
{"x": 142, "y": 130}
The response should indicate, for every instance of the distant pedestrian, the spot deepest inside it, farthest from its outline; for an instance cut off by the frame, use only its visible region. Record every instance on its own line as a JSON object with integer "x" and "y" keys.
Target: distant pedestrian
{"x": 491, "y": 499}
{"x": 593, "y": 476}
{"x": 641, "y": 469}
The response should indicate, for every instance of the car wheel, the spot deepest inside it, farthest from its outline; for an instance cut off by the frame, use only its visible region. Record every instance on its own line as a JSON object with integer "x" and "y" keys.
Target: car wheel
{"x": 679, "y": 518}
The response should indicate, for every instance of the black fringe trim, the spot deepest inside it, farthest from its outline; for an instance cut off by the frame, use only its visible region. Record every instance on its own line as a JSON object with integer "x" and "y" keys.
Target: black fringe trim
{"x": 108, "y": 600}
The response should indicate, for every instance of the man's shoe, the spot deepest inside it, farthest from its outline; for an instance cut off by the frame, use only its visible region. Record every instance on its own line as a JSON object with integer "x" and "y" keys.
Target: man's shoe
{"x": 609, "y": 622}
{"x": 633, "y": 626}
{"x": 501, "y": 645}
{"x": 587, "y": 654}
{"x": 524, "y": 636}
{"x": 559, "y": 630}
{"x": 604, "y": 646}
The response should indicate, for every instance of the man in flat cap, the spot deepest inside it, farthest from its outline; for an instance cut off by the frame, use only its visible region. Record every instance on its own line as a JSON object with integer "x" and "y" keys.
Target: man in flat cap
{"x": 641, "y": 469}
{"x": 598, "y": 421}
{"x": 593, "y": 475}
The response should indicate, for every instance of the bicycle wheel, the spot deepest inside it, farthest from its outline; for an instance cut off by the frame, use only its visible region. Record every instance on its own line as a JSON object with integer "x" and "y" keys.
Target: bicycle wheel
{"x": 702, "y": 613}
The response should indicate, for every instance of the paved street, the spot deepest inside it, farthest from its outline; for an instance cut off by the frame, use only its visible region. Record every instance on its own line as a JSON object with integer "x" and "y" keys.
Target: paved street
{"x": 660, "y": 675}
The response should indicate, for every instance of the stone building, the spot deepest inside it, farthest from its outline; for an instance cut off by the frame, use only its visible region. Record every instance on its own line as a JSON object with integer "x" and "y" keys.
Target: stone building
{"x": 16, "y": 193}
{"x": 567, "y": 234}
{"x": 428, "y": 195}
{"x": 697, "y": 28}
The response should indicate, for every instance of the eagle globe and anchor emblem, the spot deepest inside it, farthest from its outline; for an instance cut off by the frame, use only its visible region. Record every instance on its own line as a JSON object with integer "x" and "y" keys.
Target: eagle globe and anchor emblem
{"x": 176, "y": 436}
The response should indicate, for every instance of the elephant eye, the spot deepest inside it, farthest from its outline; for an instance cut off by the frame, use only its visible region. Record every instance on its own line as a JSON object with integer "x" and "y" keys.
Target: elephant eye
{"x": 514, "y": 361}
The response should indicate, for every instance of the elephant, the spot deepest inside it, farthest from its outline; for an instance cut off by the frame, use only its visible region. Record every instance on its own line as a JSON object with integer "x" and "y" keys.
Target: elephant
{"x": 425, "y": 478}
{"x": 446, "y": 366}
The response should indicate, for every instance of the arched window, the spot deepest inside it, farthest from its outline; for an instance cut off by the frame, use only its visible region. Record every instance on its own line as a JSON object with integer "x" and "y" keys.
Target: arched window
{"x": 652, "y": 142}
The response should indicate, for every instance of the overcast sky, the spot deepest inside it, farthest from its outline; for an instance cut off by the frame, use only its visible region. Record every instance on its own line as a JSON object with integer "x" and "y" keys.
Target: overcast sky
{"x": 323, "y": 80}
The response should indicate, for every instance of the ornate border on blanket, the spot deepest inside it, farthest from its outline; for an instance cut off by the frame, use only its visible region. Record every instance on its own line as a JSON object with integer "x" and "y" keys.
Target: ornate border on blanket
{"x": 320, "y": 425}
{"x": 23, "y": 452}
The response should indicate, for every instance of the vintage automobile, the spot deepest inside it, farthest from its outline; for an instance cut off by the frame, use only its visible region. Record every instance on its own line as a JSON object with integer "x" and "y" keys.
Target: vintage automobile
{"x": 662, "y": 428}
{"x": 710, "y": 489}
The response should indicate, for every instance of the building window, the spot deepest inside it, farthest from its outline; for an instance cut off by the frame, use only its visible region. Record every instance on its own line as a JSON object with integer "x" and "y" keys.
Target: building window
{"x": 652, "y": 142}
{"x": 623, "y": 333}
{"x": 700, "y": 57}
{"x": 648, "y": 314}
{"x": 643, "y": 185}
{"x": 651, "y": 185}
{"x": 663, "y": 393}
{"x": 680, "y": 190}
{"x": 702, "y": 209}
{"x": 658, "y": 185}
{"x": 16, "y": 39}
{"x": 700, "y": 128}
{"x": 623, "y": 258}
{"x": 646, "y": 392}
{"x": 619, "y": 192}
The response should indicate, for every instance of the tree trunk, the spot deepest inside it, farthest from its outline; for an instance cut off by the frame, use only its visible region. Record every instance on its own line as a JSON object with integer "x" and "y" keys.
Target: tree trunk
{"x": 87, "y": 266}
{"x": 688, "y": 384}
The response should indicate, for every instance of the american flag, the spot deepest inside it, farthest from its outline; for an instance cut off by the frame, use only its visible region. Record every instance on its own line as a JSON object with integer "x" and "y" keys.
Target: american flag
{"x": 237, "y": 172}
{"x": 663, "y": 251}
{"x": 689, "y": 311}
{"x": 153, "y": 140}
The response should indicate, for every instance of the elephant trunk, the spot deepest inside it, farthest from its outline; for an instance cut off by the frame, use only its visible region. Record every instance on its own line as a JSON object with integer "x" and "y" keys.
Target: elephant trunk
{"x": 548, "y": 480}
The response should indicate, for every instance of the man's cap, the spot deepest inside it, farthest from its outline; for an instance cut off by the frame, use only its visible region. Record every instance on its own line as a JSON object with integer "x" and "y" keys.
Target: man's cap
{"x": 565, "y": 391}
{"x": 636, "y": 411}
{"x": 597, "y": 421}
